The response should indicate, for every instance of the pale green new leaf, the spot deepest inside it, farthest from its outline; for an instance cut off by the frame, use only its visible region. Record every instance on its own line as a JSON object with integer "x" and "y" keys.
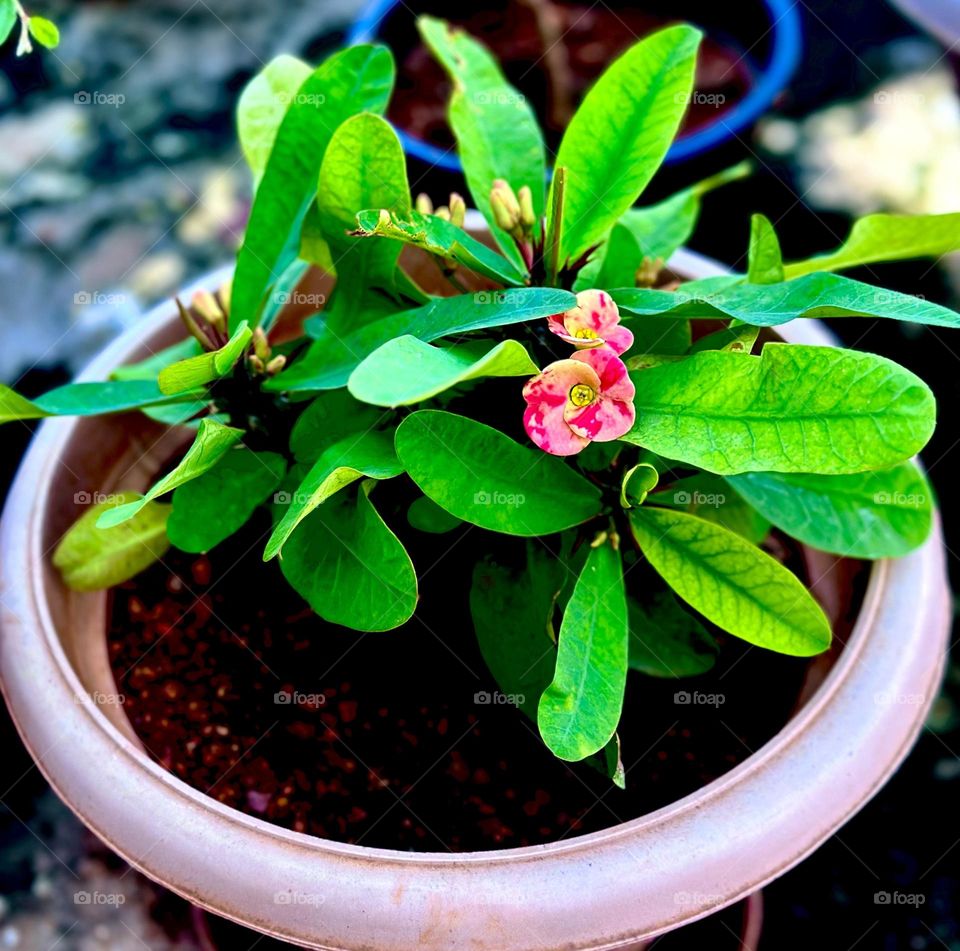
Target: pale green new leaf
{"x": 91, "y": 558}
{"x": 580, "y": 710}
{"x": 483, "y": 477}
{"x": 196, "y": 372}
{"x": 794, "y": 408}
{"x": 881, "y": 514}
{"x": 887, "y": 238}
{"x": 213, "y": 439}
{"x": 620, "y": 134}
{"x": 732, "y": 583}
{"x": 368, "y": 454}
{"x": 666, "y": 641}
{"x": 406, "y": 370}
{"x": 765, "y": 261}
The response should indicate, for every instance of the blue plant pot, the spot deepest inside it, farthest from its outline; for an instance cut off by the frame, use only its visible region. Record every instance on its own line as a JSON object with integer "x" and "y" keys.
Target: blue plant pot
{"x": 785, "y": 48}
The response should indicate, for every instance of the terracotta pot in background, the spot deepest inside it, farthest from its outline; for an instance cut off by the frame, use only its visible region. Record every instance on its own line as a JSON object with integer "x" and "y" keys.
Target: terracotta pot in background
{"x": 604, "y": 890}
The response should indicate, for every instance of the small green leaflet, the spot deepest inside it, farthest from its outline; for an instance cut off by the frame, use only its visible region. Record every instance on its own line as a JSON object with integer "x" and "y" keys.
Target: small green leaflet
{"x": 496, "y": 130}
{"x": 406, "y": 370}
{"x": 82, "y": 399}
{"x": 882, "y": 514}
{"x": 213, "y": 439}
{"x": 637, "y": 483}
{"x": 887, "y": 238}
{"x": 580, "y": 710}
{"x": 433, "y": 234}
{"x": 732, "y": 583}
{"x": 331, "y": 358}
{"x": 709, "y": 497}
{"x": 358, "y": 79}
{"x": 363, "y": 166}
{"x": 263, "y": 104}
{"x": 91, "y": 559}
{"x": 330, "y": 417}
{"x": 513, "y": 618}
{"x": 209, "y": 509}
{"x": 44, "y": 31}
{"x": 620, "y": 134}
{"x": 369, "y": 454}
{"x": 768, "y": 305}
{"x": 350, "y": 567}
{"x": 666, "y": 641}
{"x": 426, "y": 516}
{"x": 483, "y": 477}
{"x": 794, "y": 408}
{"x": 196, "y": 372}
{"x": 765, "y": 261}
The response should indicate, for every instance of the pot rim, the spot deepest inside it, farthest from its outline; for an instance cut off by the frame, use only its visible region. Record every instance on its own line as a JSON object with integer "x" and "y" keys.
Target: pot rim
{"x": 920, "y": 574}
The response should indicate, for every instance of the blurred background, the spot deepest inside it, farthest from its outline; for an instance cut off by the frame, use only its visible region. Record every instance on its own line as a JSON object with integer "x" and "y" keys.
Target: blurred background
{"x": 121, "y": 180}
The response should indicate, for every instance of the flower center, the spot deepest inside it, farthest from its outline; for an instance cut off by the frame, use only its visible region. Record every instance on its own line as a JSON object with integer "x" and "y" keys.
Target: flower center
{"x": 581, "y": 394}
{"x": 585, "y": 333}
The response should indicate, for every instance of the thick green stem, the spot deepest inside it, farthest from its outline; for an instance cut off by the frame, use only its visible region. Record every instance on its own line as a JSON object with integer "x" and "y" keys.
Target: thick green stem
{"x": 556, "y": 225}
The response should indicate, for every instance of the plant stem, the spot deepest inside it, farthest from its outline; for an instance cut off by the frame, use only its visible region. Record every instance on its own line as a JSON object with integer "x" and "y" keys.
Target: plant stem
{"x": 555, "y": 58}
{"x": 556, "y": 224}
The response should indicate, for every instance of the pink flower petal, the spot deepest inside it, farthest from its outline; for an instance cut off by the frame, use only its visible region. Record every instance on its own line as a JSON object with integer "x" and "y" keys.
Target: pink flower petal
{"x": 618, "y": 339}
{"x": 547, "y": 396}
{"x": 612, "y": 372}
{"x": 603, "y": 421}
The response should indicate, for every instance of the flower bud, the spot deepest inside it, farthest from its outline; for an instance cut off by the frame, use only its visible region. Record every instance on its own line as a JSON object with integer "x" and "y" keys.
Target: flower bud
{"x": 256, "y": 364}
{"x": 260, "y": 346}
{"x": 505, "y": 207}
{"x": 276, "y": 365}
{"x": 527, "y": 216}
{"x": 458, "y": 209}
{"x": 207, "y": 306}
{"x": 423, "y": 204}
{"x": 648, "y": 272}
{"x": 443, "y": 213}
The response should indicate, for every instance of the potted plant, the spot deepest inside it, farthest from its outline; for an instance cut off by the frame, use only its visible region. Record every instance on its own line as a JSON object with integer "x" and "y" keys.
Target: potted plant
{"x": 617, "y": 471}
{"x": 553, "y": 51}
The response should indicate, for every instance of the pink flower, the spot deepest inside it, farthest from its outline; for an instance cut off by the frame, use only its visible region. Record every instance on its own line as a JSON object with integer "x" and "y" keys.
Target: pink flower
{"x": 574, "y": 402}
{"x": 595, "y": 321}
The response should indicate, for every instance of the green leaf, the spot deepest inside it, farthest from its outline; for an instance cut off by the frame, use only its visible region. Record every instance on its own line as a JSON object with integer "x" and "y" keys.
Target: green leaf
{"x": 426, "y": 516}
{"x": 883, "y": 514}
{"x": 887, "y": 238}
{"x": 495, "y": 128}
{"x": 90, "y": 559}
{"x": 405, "y": 370}
{"x": 580, "y": 710}
{"x": 638, "y": 482}
{"x": 736, "y": 338}
{"x": 614, "y": 265}
{"x": 369, "y": 454}
{"x": 149, "y": 369}
{"x": 768, "y": 305}
{"x": 213, "y": 439}
{"x": 350, "y": 567}
{"x": 730, "y": 582}
{"x": 329, "y": 418}
{"x": 196, "y": 372}
{"x": 331, "y": 358}
{"x": 765, "y": 260}
{"x": 363, "y": 167}
{"x": 708, "y": 496}
{"x": 218, "y": 503}
{"x": 666, "y": 641}
{"x": 82, "y": 399}
{"x": 358, "y": 79}
{"x": 8, "y": 19}
{"x": 44, "y": 31}
{"x": 263, "y": 104}
{"x": 620, "y": 135}
{"x": 659, "y": 230}
{"x": 483, "y": 477}
{"x": 792, "y": 409}
{"x": 513, "y": 619}
{"x": 433, "y": 234}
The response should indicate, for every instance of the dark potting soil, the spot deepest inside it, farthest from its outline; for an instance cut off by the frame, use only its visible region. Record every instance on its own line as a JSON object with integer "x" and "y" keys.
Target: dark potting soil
{"x": 236, "y": 687}
{"x": 588, "y": 38}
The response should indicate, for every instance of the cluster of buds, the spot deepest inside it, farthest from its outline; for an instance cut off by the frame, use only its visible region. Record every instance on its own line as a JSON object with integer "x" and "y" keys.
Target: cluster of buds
{"x": 513, "y": 212}
{"x": 207, "y": 317}
{"x": 261, "y": 361}
{"x": 455, "y": 212}
{"x": 649, "y": 271}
